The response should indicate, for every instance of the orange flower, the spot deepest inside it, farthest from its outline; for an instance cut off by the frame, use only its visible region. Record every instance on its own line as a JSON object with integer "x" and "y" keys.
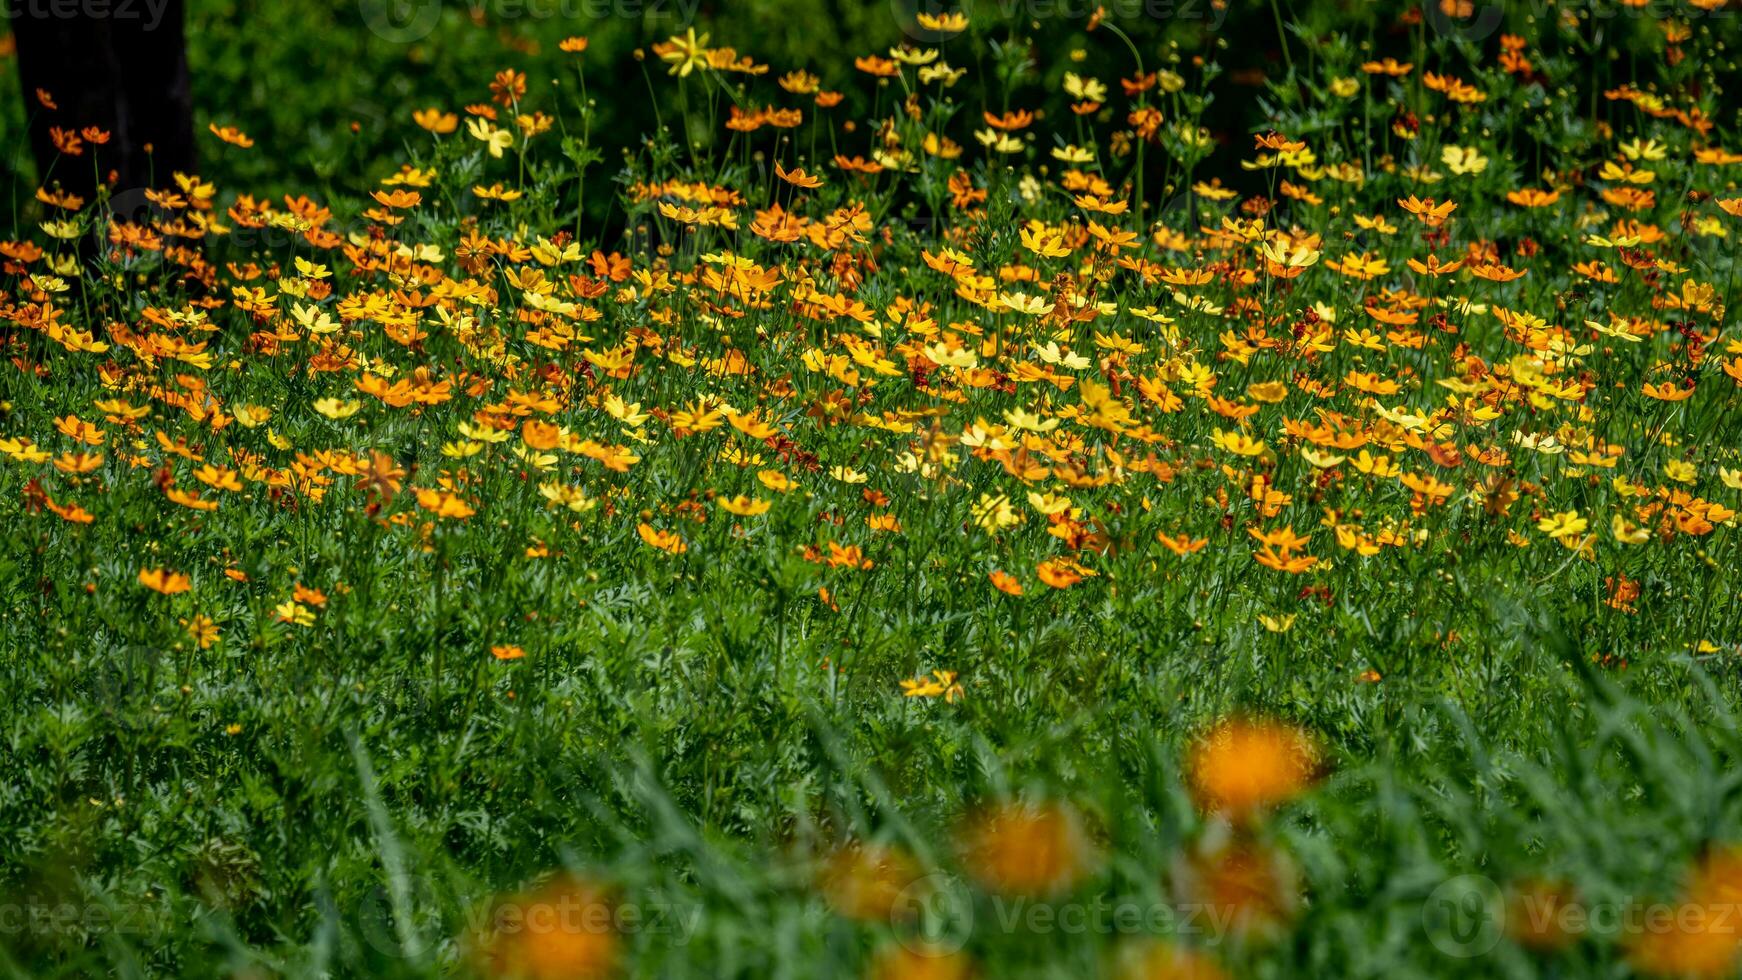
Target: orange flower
{"x": 507, "y": 87}
{"x": 663, "y": 540}
{"x": 1157, "y": 960}
{"x": 164, "y": 581}
{"x": 1024, "y": 849}
{"x": 436, "y": 121}
{"x": 563, "y": 931}
{"x": 919, "y": 962}
{"x": 1530, "y": 197}
{"x": 1534, "y": 915}
{"x": 231, "y": 135}
{"x": 1181, "y": 544}
{"x": 1702, "y": 940}
{"x": 539, "y": 435}
{"x": 1252, "y": 887}
{"x": 66, "y": 141}
{"x": 1667, "y": 391}
{"x": 444, "y": 504}
{"x": 797, "y": 177}
{"x": 1387, "y": 67}
{"x": 866, "y": 882}
{"x": 1241, "y": 766}
{"x": 1062, "y": 573}
{"x": 1431, "y": 213}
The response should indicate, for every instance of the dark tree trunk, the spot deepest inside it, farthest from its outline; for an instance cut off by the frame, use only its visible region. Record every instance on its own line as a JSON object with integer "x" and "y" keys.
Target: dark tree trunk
{"x": 116, "y": 65}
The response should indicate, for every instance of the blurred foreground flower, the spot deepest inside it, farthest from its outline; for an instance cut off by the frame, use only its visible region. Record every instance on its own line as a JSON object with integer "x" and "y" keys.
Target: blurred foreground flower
{"x": 1537, "y": 914}
{"x": 565, "y": 930}
{"x": 1698, "y": 936}
{"x": 919, "y": 963}
{"x": 1251, "y": 890}
{"x": 864, "y": 881}
{"x": 1156, "y": 960}
{"x": 1025, "y": 849}
{"x": 1244, "y": 765}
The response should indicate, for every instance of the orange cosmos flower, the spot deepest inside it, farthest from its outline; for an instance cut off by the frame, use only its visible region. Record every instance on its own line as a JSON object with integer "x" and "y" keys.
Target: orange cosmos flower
{"x": 539, "y": 435}
{"x": 1181, "y": 544}
{"x": 1028, "y": 849}
{"x": 919, "y": 962}
{"x": 1243, "y": 765}
{"x": 1387, "y": 67}
{"x": 563, "y": 931}
{"x": 797, "y": 177}
{"x": 436, "y": 121}
{"x": 1534, "y": 914}
{"x": 1429, "y": 212}
{"x": 663, "y": 540}
{"x": 1700, "y": 938}
{"x": 231, "y": 135}
{"x": 865, "y": 882}
{"x": 164, "y": 581}
{"x": 1157, "y": 960}
{"x": 444, "y": 504}
{"x": 1530, "y": 197}
{"x": 1252, "y": 886}
{"x": 1062, "y": 573}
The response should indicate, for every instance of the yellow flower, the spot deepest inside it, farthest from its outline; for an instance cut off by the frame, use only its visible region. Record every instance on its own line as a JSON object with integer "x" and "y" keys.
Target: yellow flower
{"x": 1463, "y": 160}
{"x": 1237, "y": 443}
{"x": 1564, "y": 525}
{"x": 743, "y": 506}
{"x": 335, "y": 409}
{"x": 940, "y": 683}
{"x": 685, "y": 54}
{"x": 496, "y": 140}
{"x": 202, "y": 629}
{"x": 293, "y": 612}
{"x": 1627, "y": 532}
{"x": 1278, "y": 624}
{"x": 994, "y": 513}
{"x": 1071, "y": 153}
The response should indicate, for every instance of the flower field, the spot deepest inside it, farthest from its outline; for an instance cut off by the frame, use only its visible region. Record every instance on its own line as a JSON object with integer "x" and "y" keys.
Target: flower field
{"x": 1021, "y": 500}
